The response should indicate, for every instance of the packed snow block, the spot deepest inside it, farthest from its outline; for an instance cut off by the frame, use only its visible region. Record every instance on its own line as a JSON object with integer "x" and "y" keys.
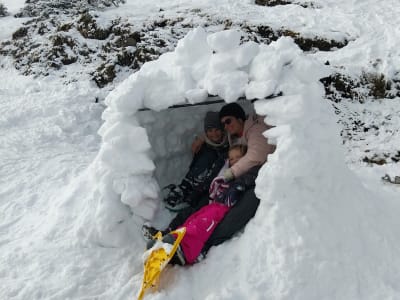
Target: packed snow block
{"x": 194, "y": 96}
{"x": 182, "y": 77}
{"x": 110, "y": 116}
{"x": 263, "y": 68}
{"x": 198, "y": 71}
{"x": 285, "y": 51}
{"x": 233, "y": 59}
{"x": 272, "y": 60}
{"x": 313, "y": 68}
{"x": 163, "y": 94}
{"x": 283, "y": 109}
{"x": 133, "y": 196}
{"x": 125, "y": 136}
{"x": 146, "y": 210}
{"x": 193, "y": 48}
{"x": 130, "y": 143}
{"x": 128, "y": 96}
{"x": 222, "y": 63}
{"x": 126, "y": 161}
{"x": 260, "y": 89}
{"x": 245, "y": 53}
{"x": 224, "y": 40}
{"x": 230, "y": 85}
{"x": 194, "y": 53}
{"x": 119, "y": 119}
{"x": 166, "y": 73}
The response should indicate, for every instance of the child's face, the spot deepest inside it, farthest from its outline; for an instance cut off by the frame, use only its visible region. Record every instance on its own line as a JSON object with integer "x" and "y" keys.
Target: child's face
{"x": 234, "y": 155}
{"x": 215, "y": 135}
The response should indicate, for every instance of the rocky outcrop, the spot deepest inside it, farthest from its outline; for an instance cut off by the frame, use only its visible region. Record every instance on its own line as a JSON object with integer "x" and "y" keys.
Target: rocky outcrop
{"x": 369, "y": 85}
{"x": 70, "y": 33}
{"x": 283, "y": 2}
{"x": 3, "y": 10}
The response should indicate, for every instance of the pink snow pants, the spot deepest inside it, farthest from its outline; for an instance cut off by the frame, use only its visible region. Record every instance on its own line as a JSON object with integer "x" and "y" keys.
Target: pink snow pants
{"x": 199, "y": 227}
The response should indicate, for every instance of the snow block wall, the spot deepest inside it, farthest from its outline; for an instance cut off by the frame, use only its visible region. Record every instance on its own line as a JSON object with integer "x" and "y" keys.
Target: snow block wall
{"x": 318, "y": 233}
{"x": 309, "y": 229}
{"x": 201, "y": 64}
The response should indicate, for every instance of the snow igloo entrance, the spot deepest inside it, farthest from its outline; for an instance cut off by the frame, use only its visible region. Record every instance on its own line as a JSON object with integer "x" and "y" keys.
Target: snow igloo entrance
{"x": 144, "y": 150}
{"x": 171, "y": 133}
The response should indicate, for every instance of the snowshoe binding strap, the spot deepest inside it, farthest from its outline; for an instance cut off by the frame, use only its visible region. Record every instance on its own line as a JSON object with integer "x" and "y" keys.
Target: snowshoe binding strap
{"x": 157, "y": 259}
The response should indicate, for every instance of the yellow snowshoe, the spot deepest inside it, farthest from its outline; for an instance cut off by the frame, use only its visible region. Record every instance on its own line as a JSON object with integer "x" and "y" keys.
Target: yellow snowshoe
{"x": 156, "y": 259}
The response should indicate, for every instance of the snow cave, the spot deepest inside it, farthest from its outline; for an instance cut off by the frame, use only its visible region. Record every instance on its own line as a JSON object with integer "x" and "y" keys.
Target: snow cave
{"x": 153, "y": 116}
{"x": 296, "y": 236}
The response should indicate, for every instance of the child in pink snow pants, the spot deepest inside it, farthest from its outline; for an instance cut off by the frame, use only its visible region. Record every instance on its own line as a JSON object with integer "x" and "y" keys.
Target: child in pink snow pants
{"x": 200, "y": 225}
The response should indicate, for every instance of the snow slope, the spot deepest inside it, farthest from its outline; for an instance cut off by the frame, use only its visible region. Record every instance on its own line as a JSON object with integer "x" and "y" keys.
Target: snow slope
{"x": 326, "y": 228}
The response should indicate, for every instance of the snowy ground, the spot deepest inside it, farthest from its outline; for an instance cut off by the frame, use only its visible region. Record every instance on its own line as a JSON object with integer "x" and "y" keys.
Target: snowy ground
{"x": 318, "y": 220}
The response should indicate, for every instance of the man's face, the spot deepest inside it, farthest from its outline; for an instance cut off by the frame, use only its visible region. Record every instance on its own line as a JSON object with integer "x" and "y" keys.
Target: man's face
{"x": 215, "y": 135}
{"x": 233, "y": 125}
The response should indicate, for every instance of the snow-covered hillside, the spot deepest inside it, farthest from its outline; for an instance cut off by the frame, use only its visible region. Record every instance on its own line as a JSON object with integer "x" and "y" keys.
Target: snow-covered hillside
{"x": 73, "y": 200}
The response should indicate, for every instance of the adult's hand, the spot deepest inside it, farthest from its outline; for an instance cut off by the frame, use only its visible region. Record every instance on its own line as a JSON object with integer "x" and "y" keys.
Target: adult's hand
{"x": 197, "y": 143}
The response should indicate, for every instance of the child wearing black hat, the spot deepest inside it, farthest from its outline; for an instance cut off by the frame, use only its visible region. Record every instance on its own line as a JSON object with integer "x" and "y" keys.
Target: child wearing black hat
{"x": 204, "y": 167}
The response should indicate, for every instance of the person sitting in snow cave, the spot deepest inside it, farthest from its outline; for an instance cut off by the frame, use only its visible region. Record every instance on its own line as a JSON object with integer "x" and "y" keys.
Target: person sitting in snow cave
{"x": 208, "y": 158}
{"x": 241, "y": 130}
{"x": 201, "y": 224}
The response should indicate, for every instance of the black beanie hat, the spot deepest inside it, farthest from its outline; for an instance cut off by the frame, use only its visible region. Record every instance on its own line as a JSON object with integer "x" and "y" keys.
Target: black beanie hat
{"x": 212, "y": 120}
{"x": 234, "y": 110}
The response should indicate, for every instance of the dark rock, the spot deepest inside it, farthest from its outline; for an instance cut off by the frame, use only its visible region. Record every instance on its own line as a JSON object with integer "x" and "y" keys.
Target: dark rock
{"x": 271, "y": 2}
{"x": 308, "y": 44}
{"x": 89, "y": 29}
{"x": 20, "y": 33}
{"x": 104, "y": 75}
{"x": 3, "y": 10}
{"x": 65, "y": 27}
{"x": 374, "y": 160}
{"x": 126, "y": 58}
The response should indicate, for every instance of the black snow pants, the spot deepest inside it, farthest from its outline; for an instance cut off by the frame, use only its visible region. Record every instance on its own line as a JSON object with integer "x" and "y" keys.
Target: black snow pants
{"x": 201, "y": 163}
{"x": 203, "y": 169}
{"x": 235, "y": 220}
